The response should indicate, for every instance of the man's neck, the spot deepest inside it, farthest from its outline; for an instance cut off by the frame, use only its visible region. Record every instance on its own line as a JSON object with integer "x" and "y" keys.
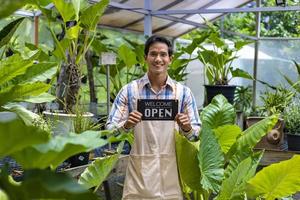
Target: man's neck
{"x": 157, "y": 81}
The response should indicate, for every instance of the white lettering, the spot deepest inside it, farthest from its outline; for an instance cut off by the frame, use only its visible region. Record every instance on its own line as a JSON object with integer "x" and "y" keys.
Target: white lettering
{"x": 161, "y": 113}
{"x": 154, "y": 111}
{"x": 168, "y": 112}
{"x": 147, "y": 112}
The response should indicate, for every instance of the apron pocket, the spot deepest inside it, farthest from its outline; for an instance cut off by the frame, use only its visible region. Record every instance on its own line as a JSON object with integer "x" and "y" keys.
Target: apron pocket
{"x": 170, "y": 180}
{"x": 142, "y": 177}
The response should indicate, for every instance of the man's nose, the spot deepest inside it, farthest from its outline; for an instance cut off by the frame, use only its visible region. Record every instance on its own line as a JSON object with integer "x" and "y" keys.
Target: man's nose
{"x": 158, "y": 58}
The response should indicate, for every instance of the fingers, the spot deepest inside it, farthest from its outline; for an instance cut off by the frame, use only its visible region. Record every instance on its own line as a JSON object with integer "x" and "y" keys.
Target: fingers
{"x": 133, "y": 119}
{"x": 183, "y": 121}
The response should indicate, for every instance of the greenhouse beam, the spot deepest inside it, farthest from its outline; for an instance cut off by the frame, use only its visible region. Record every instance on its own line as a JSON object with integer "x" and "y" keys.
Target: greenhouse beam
{"x": 225, "y": 10}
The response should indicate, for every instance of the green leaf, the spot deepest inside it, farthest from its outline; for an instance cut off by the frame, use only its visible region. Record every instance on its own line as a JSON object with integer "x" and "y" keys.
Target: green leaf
{"x": 227, "y": 135}
{"x": 90, "y": 17}
{"x": 42, "y": 98}
{"x": 240, "y": 73}
{"x": 3, "y": 195}
{"x": 98, "y": 46}
{"x": 76, "y": 6}
{"x": 58, "y": 149}
{"x": 21, "y": 92}
{"x": 240, "y": 44}
{"x": 297, "y": 65}
{"x": 217, "y": 40}
{"x": 127, "y": 55}
{"x": 97, "y": 171}
{"x": 8, "y": 31}
{"x": 122, "y": 137}
{"x": 44, "y": 184}
{"x": 73, "y": 32}
{"x": 61, "y": 47}
{"x": 196, "y": 42}
{"x": 186, "y": 154}
{"x": 66, "y": 9}
{"x": 254, "y": 133}
{"x": 20, "y": 135}
{"x": 13, "y": 66}
{"x": 27, "y": 116}
{"x": 38, "y": 72}
{"x": 211, "y": 160}
{"x": 8, "y": 7}
{"x": 236, "y": 159}
{"x": 234, "y": 186}
{"x": 277, "y": 180}
{"x": 218, "y": 113}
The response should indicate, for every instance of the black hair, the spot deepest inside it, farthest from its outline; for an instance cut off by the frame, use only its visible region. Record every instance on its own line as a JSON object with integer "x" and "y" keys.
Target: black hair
{"x": 155, "y": 38}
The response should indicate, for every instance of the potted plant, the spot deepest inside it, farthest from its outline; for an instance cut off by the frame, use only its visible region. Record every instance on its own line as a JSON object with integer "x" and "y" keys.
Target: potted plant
{"x": 78, "y": 21}
{"x": 292, "y": 125}
{"x": 217, "y": 57}
{"x": 242, "y": 103}
{"x": 273, "y": 102}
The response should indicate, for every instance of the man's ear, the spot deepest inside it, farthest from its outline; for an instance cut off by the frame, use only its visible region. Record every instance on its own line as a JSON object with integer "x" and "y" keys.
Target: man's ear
{"x": 171, "y": 58}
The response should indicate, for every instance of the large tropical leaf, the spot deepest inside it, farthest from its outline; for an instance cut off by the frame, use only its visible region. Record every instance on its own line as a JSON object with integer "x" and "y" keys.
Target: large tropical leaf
{"x": 38, "y": 72}
{"x": 13, "y": 66}
{"x": 58, "y": 149}
{"x": 240, "y": 73}
{"x": 15, "y": 135}
{"x": 127, "y": 55}
{"x": 8, "y": 31}
{"x": 3, "y": 195}
{"x": 66, "y": 9}
{"x": 97, "y": 171}
{"x": 227, "y": 135}
{"x": 234, "y": 186}
{"x": 90, "y": 17}
{"x": 21, "y": 92}
{"x": 187, "y": 162}
{"x": 236, "y": 159}
{"x": 277, "y": 180}
{"x": 254, "y": 133}
{"x": 218, "y": 113}
{"x": 44, "y": 184}
{"x": 8, "y": 7}
{"x": 27, "y": 116}
{"x": 211, "y": 160}
{"x": 42, "y": 98}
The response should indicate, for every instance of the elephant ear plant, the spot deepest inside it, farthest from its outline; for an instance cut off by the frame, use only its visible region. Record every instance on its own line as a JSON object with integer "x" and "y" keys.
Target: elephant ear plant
{"x": 78, "y": 20}
{"x": 223, "y": 164}
{"x": 217, "y": 57}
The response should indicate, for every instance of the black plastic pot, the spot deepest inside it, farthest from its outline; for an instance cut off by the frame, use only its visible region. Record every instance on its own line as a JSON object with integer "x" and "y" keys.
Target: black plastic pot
{"x": 226, "y": 90}
{"x": 293, "y": 142}
{"x": 79, "y": 159}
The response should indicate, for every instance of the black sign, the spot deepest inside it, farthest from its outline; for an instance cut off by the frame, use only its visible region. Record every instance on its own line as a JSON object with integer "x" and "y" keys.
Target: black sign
{"x": 158, "y": 109}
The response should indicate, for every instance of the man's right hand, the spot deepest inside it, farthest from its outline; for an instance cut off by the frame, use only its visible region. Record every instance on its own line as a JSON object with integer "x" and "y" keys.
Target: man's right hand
{"x": 133, "y": 119}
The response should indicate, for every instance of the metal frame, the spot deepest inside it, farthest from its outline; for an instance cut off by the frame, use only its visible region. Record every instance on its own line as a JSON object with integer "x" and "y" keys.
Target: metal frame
{"x": 165, "y": 14}
{"x": 226, "y": 10}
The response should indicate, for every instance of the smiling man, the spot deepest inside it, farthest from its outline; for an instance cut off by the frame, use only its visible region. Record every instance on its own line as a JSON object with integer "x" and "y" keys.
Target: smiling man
{"x": 152, "y": 169}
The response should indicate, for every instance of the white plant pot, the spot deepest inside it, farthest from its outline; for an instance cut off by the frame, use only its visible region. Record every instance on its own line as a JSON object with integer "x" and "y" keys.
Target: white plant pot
{"x": 62, "y": 123}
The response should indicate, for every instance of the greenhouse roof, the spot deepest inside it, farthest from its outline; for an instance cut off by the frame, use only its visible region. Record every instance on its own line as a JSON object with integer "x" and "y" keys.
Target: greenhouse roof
{"x": 130, "y": 14}
{"x": 171, "y": 18}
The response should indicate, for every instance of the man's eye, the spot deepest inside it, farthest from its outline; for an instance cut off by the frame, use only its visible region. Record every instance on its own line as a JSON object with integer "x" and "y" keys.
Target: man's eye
{"x": 153, "y": 54}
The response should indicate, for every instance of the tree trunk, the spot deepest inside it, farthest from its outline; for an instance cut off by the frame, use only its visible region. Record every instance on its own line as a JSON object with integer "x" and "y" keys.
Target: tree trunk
{"x": 61, "y": 86}
{"x": 88, "y": 58}
{"x": 73, "y": 85}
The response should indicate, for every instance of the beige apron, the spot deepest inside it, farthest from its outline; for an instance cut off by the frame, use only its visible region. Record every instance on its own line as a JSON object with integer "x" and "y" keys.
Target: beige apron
{"x": 152, "y": 169}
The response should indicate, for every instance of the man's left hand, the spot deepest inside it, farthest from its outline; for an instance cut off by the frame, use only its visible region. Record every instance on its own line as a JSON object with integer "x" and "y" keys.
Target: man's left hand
{"x": 183, "y": 121}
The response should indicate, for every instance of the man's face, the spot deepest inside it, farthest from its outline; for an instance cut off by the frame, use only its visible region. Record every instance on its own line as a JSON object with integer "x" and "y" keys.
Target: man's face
{"x": 158, "y": 58}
